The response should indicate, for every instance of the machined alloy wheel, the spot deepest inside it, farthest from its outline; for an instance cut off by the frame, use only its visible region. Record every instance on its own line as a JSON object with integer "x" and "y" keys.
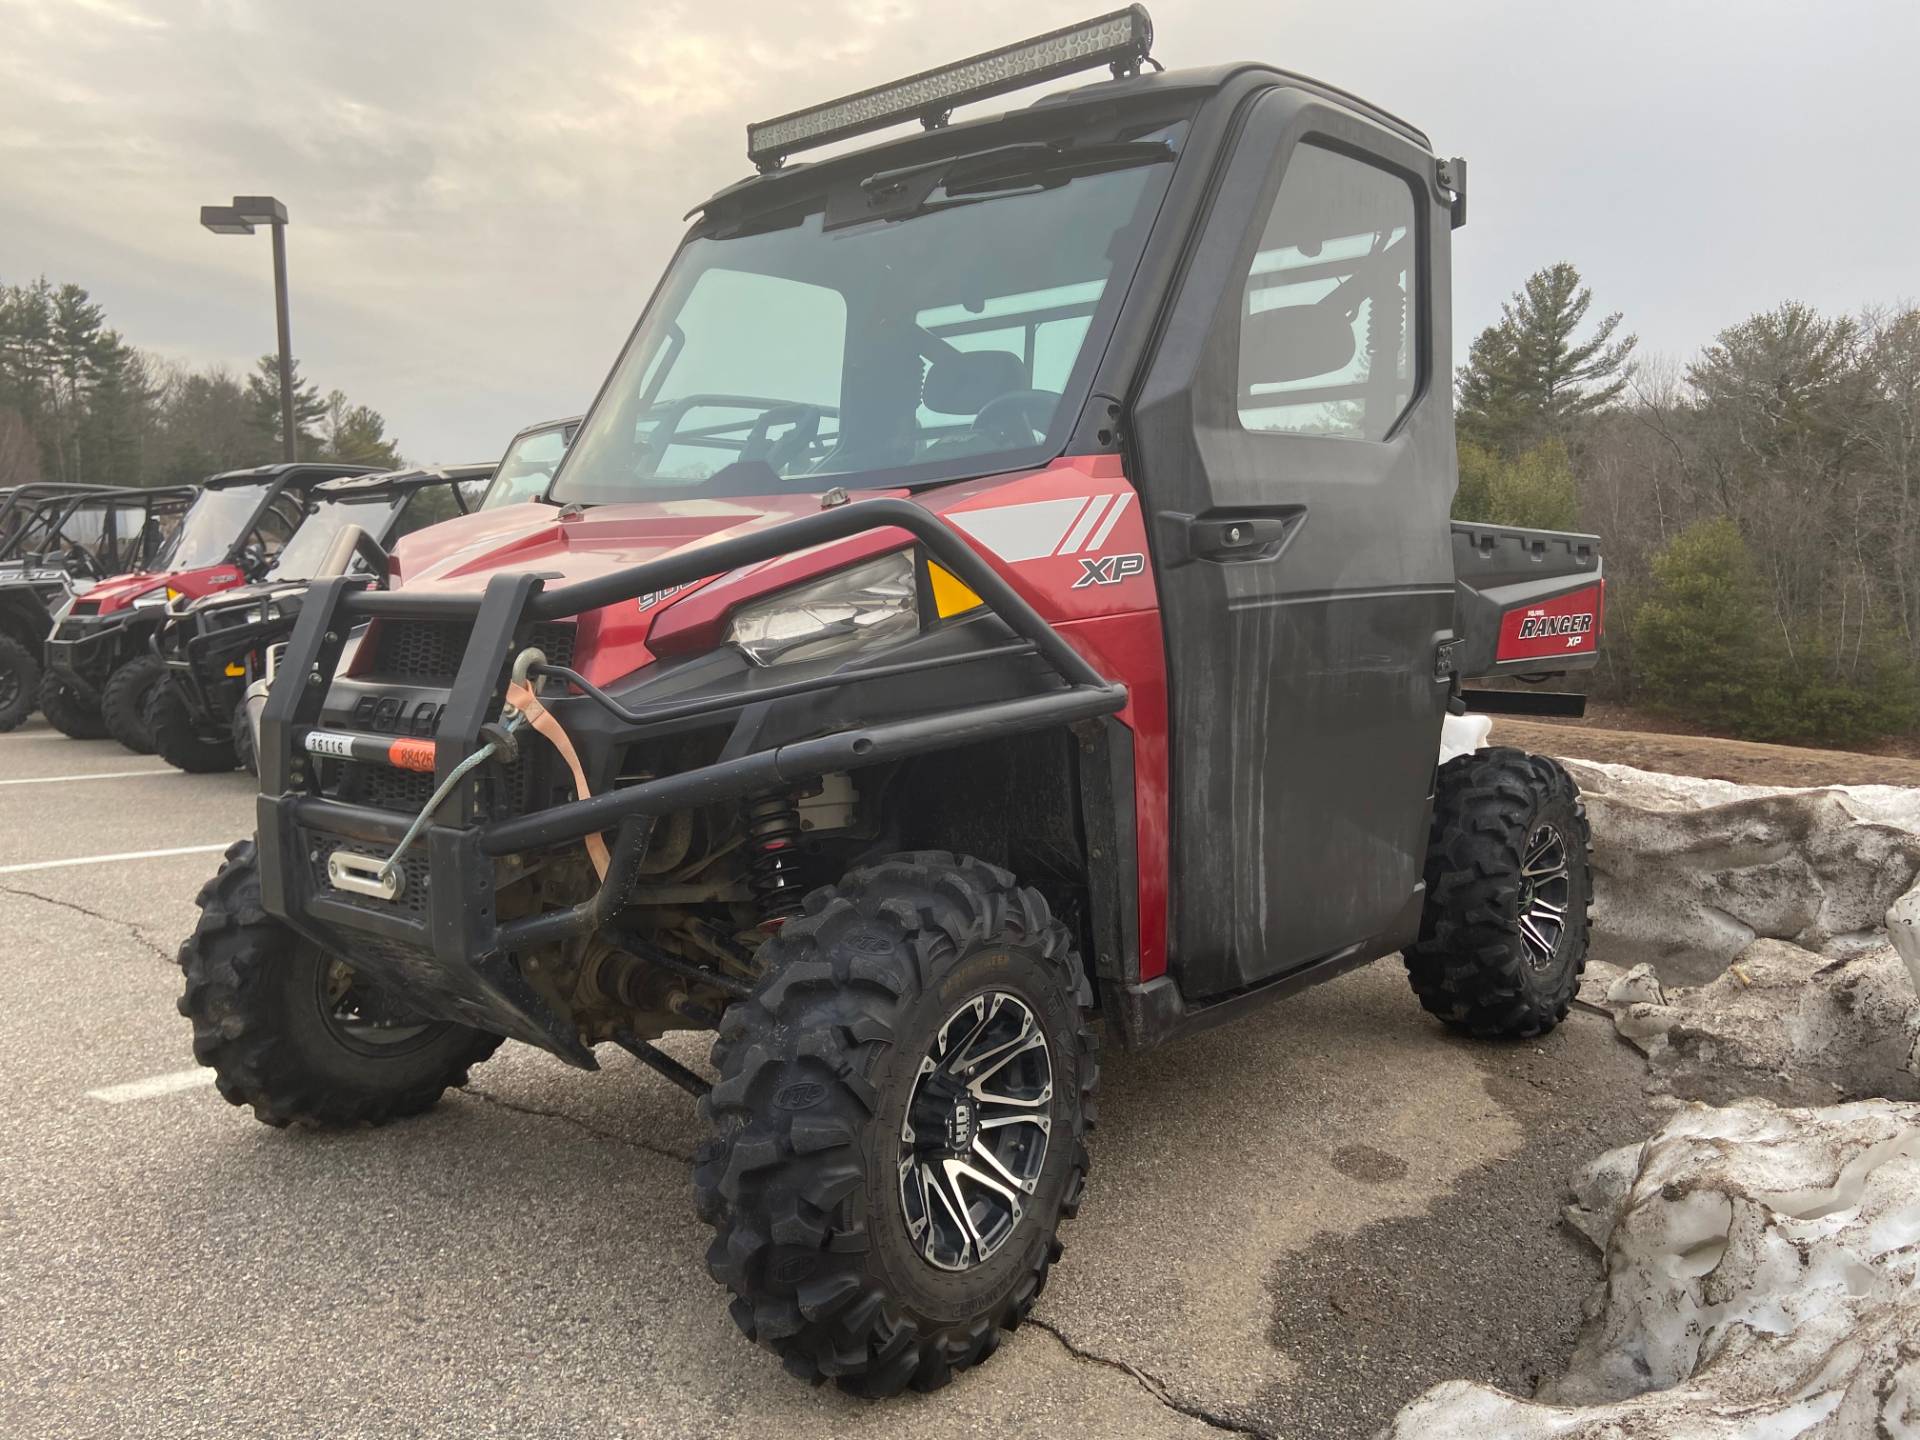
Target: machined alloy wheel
{"x": 899, "y": 1123}
{"x": 1545, "y": 889}
{"x": 1503, "y": 935}
{"x": 975, "y": 1137}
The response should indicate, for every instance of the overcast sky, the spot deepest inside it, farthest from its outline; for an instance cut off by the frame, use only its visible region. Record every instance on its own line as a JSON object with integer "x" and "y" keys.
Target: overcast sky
{"x": 483, "y": 193}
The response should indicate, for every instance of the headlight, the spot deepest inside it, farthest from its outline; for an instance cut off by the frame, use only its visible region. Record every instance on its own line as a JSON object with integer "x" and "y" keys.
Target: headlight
{"x": 154, "y": 599}
{"x": 850, "y": 610}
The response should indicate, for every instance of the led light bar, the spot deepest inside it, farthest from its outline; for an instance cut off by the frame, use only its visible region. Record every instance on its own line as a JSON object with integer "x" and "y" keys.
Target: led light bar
{"x": 1120, "y": 40}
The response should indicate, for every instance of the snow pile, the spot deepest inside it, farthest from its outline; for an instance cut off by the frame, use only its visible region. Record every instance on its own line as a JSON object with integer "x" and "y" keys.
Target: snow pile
{"x": 1761, "y": 1285}
{"x": 1688, "y": 873}
{"x": 1781, "y": 1022}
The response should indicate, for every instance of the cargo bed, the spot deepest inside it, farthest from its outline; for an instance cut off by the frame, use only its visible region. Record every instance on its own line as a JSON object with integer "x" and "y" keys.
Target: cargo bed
{"x": 1526, "y": 602}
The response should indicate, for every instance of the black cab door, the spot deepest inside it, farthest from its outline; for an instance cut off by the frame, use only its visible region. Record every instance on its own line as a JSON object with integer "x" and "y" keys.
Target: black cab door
{"x": 1294, "y": 431}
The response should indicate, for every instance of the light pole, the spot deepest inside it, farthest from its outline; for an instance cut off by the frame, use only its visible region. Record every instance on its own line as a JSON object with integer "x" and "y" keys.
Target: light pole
{"x": 239, "y": 218}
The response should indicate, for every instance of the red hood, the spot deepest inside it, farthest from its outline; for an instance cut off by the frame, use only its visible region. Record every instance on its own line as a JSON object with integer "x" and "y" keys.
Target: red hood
{"x": 1002, "y": 515}
{"x": 462, "y": 554}
{"x": 119, "y": 591}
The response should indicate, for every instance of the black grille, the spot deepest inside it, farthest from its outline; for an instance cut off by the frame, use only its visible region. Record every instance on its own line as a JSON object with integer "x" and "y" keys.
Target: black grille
{"x": 406, "y": 792}
{"x": 428, "y": 652}
{"x": 385, "y": 787}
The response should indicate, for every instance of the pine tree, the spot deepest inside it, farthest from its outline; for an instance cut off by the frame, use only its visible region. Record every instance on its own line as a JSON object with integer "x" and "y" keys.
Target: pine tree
{"x": 263, "y": 401}
{"x": 357, "y": 435}
{"x": 1528, "y": 378}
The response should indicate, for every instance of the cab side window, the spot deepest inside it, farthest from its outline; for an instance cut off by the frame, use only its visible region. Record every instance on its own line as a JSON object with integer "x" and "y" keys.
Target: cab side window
{"x": 1329, "y": 342}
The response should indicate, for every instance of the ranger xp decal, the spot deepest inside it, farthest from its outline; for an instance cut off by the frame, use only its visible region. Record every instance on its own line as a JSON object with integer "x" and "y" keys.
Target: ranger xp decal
{"x": 1566, "y": 624}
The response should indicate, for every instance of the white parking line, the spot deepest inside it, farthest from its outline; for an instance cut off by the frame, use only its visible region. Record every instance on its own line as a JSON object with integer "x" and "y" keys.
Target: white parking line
{"x": 156, "y": 1085}
{"x": 94, "y": 775}
{"x": 105, "y": 859}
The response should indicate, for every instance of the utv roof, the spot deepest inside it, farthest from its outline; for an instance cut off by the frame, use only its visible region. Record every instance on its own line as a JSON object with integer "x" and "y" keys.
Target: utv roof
{"x": 261, "y": 474}
{"x": 369, "y": 484}
{"x": 1144, "y": 91}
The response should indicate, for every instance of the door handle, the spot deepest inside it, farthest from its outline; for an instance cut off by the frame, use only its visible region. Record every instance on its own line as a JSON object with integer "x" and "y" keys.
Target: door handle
{"x": 1230, "y": 537}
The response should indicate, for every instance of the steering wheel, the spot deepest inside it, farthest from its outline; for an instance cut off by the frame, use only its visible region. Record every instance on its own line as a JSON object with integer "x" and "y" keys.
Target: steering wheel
{"x": 805, "y": 420}
{"x": 253, "y": 559}
{"x": 1016, "y": 419}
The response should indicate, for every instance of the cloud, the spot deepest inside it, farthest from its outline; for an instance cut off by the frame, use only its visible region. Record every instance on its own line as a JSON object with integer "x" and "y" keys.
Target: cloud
{"x": 483, "y": 193}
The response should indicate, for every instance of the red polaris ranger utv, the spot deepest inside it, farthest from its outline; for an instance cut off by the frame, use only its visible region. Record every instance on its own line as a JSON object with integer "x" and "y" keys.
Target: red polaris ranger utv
{"x": 1005, "y": 584}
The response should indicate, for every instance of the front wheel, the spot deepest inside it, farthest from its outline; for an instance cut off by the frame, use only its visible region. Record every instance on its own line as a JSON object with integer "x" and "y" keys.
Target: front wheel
{"x": 123, "y": 704}
{"x": 179, "y": 741}
{"x": 1504, "y": 937}
{"x": 291, "y": 1031}
{"x": 70, "y": 710}
{"x": 900, "y": 1123}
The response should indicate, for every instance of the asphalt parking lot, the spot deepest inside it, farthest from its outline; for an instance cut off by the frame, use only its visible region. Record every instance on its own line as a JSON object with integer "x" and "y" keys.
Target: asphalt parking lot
{"x": 1294, "y": 1224}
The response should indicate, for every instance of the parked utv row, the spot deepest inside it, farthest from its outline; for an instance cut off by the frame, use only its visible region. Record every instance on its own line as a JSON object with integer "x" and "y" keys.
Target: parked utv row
{"x": 146, "y": 614}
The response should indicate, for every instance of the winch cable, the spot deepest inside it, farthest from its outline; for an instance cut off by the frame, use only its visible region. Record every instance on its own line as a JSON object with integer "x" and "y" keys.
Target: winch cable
{"x": 523, "y": 707}
{"x": 523, "y": 703}
{"x": 440, "y": 793}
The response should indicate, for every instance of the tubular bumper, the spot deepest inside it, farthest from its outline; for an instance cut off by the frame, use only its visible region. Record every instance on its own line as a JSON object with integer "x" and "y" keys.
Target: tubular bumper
{"x": 439, "y": 942}
{"x": 81, "y": 649}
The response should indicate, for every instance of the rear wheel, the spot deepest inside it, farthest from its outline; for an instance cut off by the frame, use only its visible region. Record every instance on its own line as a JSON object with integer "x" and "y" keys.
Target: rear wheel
{"x": 123, "y": 704}
{"x": 292, "y": 1032}
{"x": 72, "y": 711}
{"x": 1504, "y": 937}
{"x": 178, "y": 740}
{"x": 19, "y": 682}
{"x": 899, "y": 1125}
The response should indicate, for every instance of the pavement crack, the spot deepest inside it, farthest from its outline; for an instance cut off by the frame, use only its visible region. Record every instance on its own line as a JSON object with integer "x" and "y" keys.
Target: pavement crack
{"x": 127, "y": 925}
{"x": 594, "y": 1130}
{"x": 1153, "y": 1385}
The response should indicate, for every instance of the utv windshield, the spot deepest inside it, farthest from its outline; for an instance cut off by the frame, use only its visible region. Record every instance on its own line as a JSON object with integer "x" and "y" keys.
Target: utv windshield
{"x": 308, "y": 547}
{"x": 927, "y": 324}
{"x": 211, "y": 527}
{"x": 527, "y": 468}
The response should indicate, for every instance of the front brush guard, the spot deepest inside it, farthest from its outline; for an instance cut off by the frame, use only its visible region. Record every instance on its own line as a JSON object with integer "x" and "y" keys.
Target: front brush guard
{"x": 447, "y": 952}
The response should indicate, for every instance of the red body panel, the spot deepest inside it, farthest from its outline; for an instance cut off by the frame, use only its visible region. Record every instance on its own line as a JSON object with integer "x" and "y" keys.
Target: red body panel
{"x": 1070, "y": 539}
{"x": 1567, "y": 624}
{"x": 120, "y": 591}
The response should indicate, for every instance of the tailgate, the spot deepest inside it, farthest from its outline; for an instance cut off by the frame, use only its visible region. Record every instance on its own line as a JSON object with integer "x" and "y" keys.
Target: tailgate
{"x": 1526, "y": 602}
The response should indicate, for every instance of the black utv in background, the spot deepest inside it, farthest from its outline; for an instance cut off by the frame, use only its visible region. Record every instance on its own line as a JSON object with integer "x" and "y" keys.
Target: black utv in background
{"x": 56, "y": 540}
{"x": 210, "y": 650}
{"x": 237, "y": 526}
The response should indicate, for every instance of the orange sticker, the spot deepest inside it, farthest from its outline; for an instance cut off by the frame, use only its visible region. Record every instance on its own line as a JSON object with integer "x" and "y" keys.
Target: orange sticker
{"x": 412, "y": 755}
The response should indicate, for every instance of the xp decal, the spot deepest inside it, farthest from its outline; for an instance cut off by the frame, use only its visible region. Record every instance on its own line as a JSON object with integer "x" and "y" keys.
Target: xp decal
{"x": 1109, "y": 569}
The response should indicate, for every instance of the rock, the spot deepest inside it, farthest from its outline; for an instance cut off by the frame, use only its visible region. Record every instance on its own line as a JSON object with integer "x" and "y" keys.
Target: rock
{"x": 1688, "y": 873}
{"x": 1761, "y": 1269}
{"x": 1785, "y": 1024}
{"x": 1639, "y": 986}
